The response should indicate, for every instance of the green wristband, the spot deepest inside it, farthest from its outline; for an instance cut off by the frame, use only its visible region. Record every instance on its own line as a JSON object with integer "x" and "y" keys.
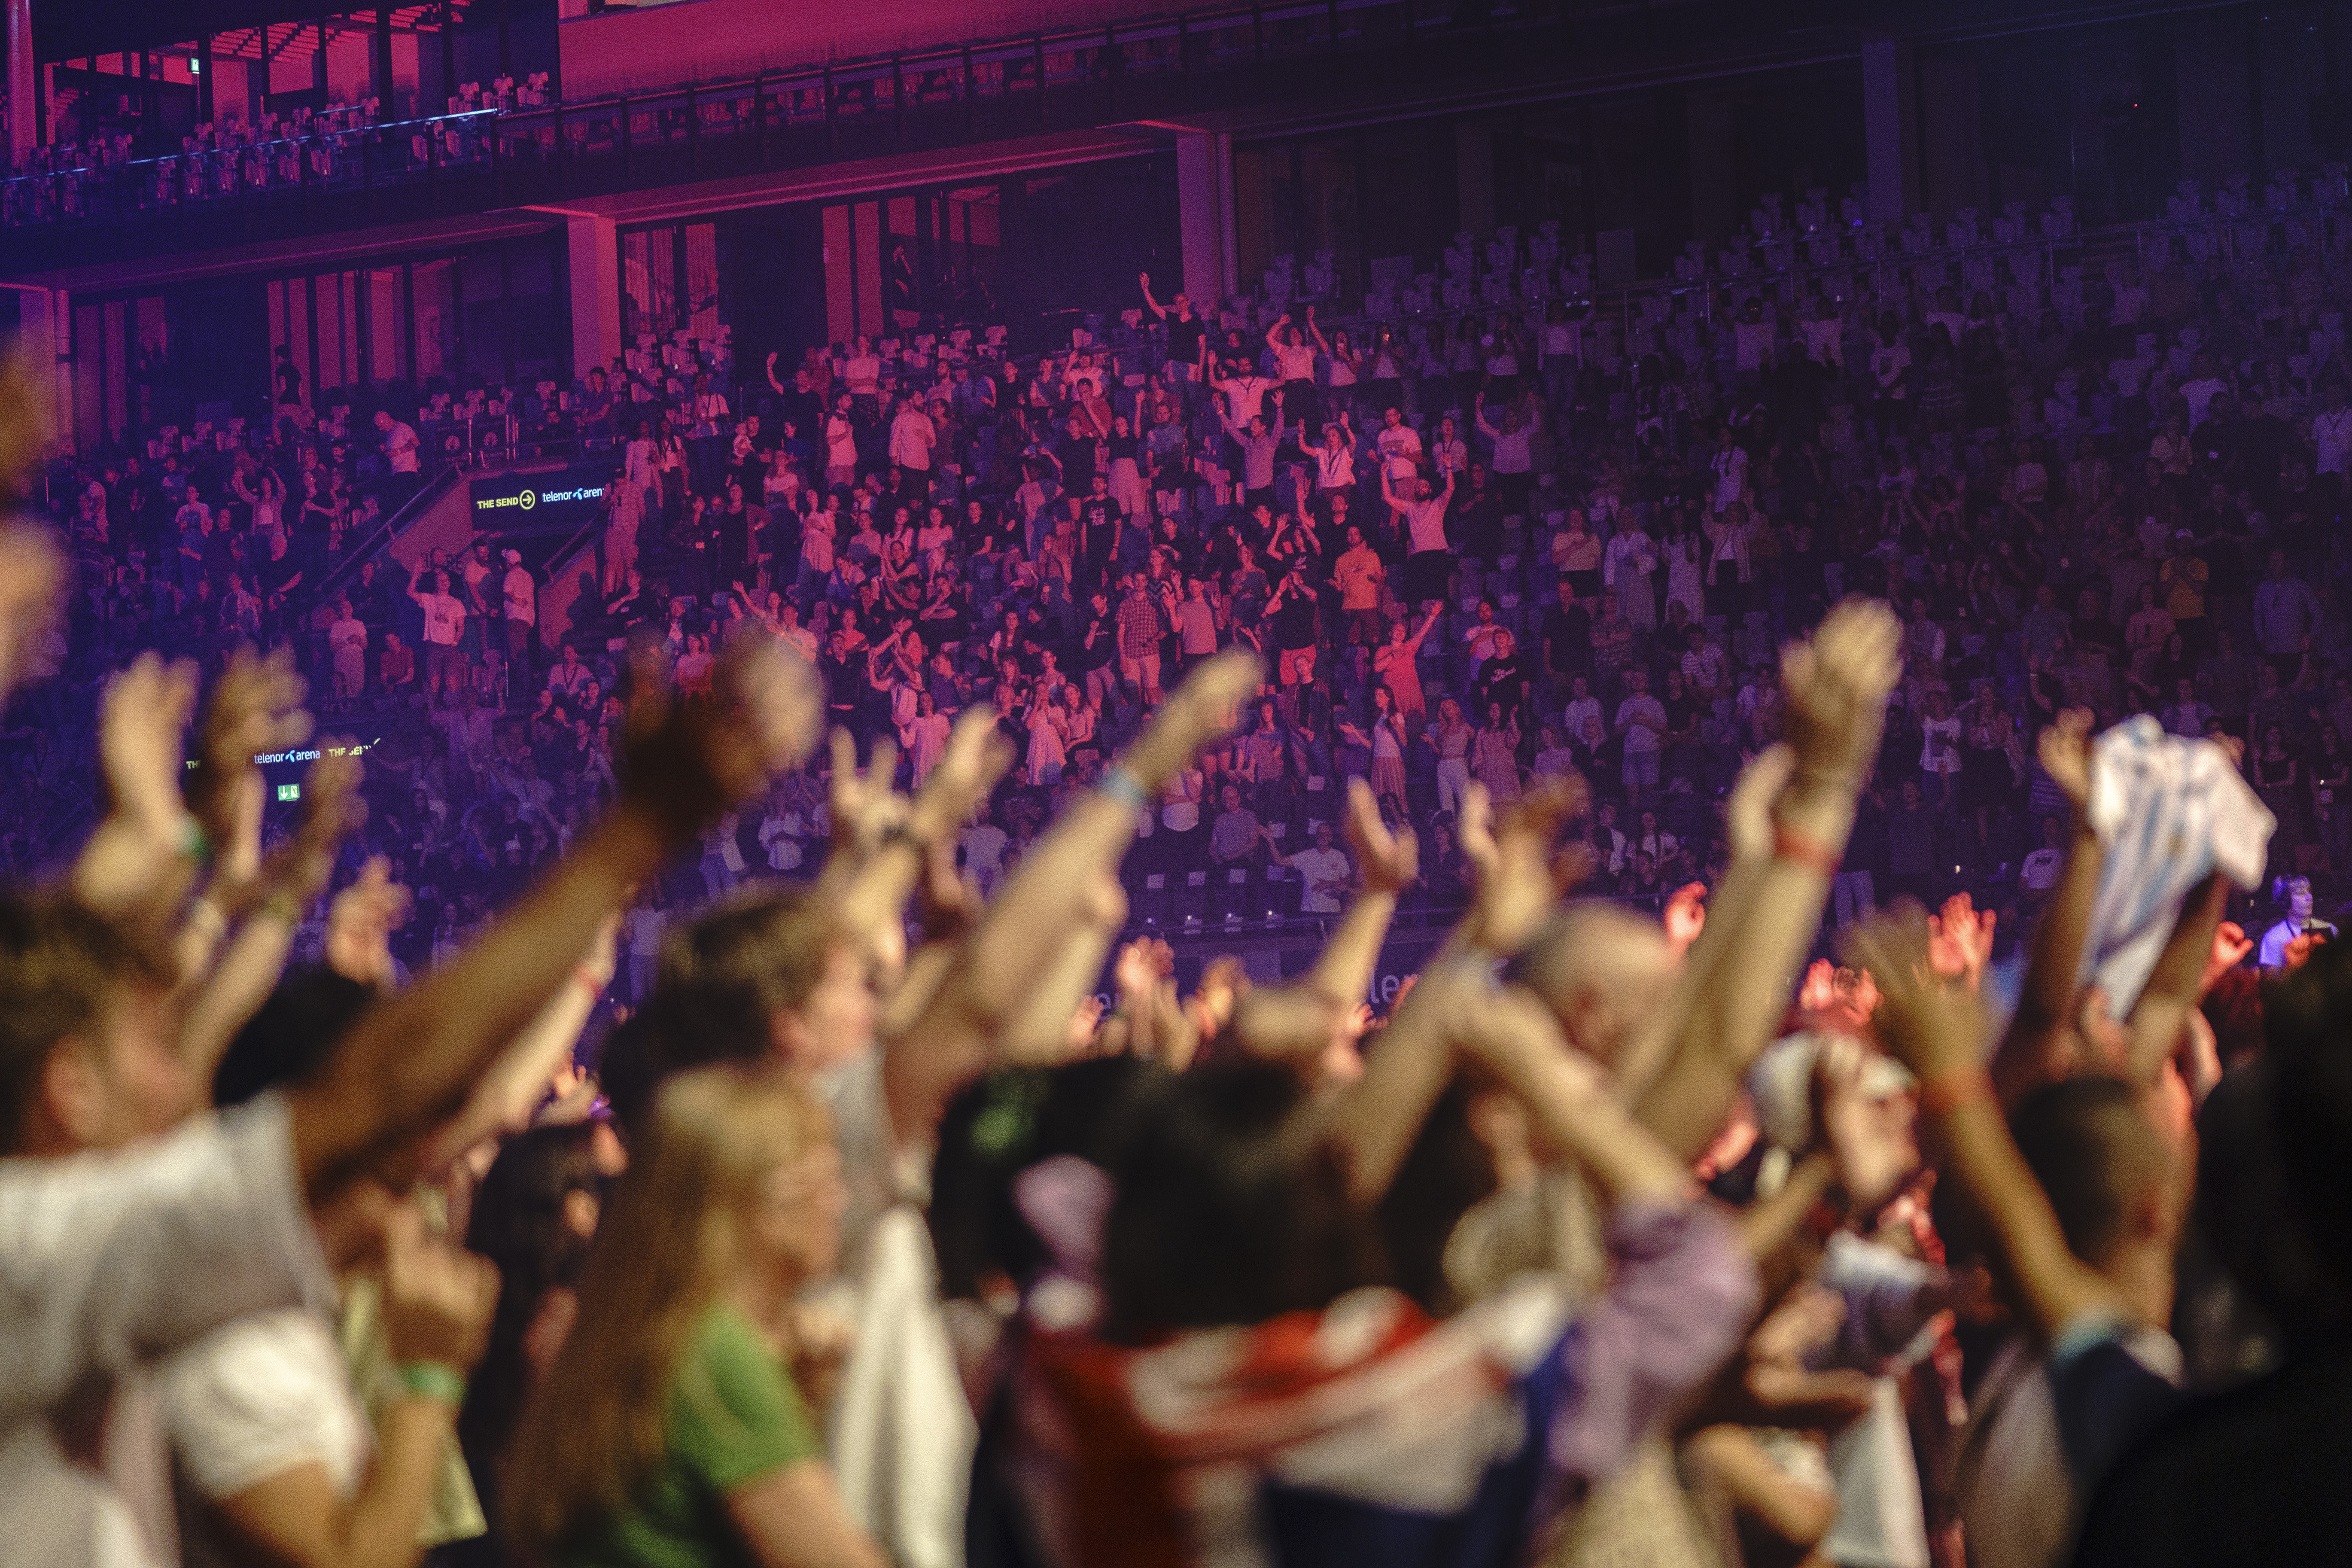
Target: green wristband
{"x": 433, "y": 1380}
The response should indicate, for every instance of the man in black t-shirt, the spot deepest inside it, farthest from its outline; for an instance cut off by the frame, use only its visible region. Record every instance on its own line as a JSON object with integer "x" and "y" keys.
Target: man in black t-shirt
{"x": 1502, "y": 678}
{"x": 1094, "y": 652}
{"x": 1292, "y": 611}
{"x": 1567, "y": 639}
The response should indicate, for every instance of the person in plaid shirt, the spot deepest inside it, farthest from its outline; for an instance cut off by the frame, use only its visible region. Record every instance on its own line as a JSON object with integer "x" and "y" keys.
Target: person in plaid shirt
{"x": 1140, "y": 628}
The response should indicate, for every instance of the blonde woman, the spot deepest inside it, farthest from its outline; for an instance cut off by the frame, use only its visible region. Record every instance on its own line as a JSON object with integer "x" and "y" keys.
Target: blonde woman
{"x": 670, "y": 1429}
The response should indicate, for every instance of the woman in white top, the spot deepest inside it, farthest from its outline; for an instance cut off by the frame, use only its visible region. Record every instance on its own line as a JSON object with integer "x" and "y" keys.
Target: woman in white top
{"x": 1514, "y": 466}
{"x": 266, "y": 497}
{"x": 1449, "y": 453}
{"x": 1335, "y": 459}
{"x": 1049, "y": 732}
{"x": 1343, "y": 367}
{"x": 1294, "y": 366}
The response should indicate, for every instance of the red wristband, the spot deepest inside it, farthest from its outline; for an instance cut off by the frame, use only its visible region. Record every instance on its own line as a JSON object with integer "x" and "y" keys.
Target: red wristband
{"x": 1946, "y": 1092}
{"x": 1800, "y": 851}
{"x": 587, "y": 978}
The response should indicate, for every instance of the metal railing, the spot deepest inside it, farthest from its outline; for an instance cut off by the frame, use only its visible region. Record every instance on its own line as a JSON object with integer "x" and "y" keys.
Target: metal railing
{"x": 1003, "y": 87}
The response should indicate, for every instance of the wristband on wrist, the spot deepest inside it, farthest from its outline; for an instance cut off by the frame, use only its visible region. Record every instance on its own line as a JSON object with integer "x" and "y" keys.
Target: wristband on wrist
{"x": 435, "y": 1380}
{"x": 588, "y": 981}
{"x": 1946, "y": 1092}
{"x": 1798, "y": 849}
{"x": 279, "y": 904}
{"x": 1120, "y": 783}
{"x": 194, "y": 845}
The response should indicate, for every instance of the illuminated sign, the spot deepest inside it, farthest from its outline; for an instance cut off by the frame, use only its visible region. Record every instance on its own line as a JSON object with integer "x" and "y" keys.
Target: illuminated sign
{"x": 564, "y": 497}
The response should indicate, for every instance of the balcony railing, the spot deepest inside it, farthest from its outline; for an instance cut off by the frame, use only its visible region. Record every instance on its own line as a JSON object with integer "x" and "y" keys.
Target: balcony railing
{"x": 810, "y": 114}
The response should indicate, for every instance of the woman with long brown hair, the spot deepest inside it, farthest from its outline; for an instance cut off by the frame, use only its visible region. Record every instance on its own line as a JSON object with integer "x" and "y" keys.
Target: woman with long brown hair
{"x": 670, "y": 1429}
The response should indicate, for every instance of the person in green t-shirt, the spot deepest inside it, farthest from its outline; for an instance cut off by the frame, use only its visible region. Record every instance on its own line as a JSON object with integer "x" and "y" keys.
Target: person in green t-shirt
{"x": 670, "y": 1433}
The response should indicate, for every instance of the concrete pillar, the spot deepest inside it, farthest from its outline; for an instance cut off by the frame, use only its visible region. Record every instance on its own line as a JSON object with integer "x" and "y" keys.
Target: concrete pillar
{"x": 24, "y": 127}
{"x": 595, "y": 259}
{"x": 1890, "y": 122}
{"x": 1205, "y": 202}
{"x": 1474, "y": 178}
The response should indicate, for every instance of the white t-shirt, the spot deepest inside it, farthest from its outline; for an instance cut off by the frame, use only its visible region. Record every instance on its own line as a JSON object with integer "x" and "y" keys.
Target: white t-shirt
{"x": 2039, "y": 874}
{"x": 840, "y": 442}
{"x": 254, "y": 1399}
{"x": 912, "y": 435}
{"x": 1315, "y": 865}
{"x": 444, "y": 619}
{"x": 522, "y": 596}
{"x": 1399, "y": 449}
{"x": 1426, "y": 524}
{"x": 400, "y": 447}
{"x": 109, "y": 1258}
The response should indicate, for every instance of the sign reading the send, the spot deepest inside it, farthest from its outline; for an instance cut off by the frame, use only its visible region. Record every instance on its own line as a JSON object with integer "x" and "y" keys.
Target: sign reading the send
{"x": 566, "y": 496}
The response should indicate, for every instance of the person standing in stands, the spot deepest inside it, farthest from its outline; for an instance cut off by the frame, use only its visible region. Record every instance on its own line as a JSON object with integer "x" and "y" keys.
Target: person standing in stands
{"x": 520, "y": 593}
{"x": 400, "y": 454}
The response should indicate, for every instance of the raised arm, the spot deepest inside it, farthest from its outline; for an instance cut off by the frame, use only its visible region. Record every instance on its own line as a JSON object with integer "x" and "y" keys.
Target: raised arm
{"x": 1836, "y": 690}
{"x": 2034, "y": 1050}
{"x": 2177, "y": 984}
{"x": 950, "y": 1043}
{"x": 1388, "y": 863}
{"x": 1934, "y": 1030}
{"x": 1154, "y": 306}
{"x": 410, "y": 1063}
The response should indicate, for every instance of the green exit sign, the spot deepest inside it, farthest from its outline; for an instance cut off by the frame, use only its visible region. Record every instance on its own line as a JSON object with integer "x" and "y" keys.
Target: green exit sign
{"x": 289, "y": 792}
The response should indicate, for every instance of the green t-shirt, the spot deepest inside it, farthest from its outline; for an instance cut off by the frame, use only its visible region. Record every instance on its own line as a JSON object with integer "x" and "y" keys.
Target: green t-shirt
{"x": 734, "y": 1416}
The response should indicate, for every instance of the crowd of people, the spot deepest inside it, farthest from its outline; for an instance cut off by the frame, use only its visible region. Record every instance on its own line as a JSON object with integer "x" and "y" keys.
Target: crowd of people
{"x": 863, "y": 1234}
{"x": 1503, "y": 551}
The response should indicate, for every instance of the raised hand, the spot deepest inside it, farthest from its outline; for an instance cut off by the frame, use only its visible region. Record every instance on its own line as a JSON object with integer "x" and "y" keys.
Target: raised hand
{"x": 1388, "y": 861}
{"x": 359, "y": 924}
{"x": 1934, "y": 1030}
{"x": 2231, "y": 947}
{"x": 333, "y": 809}
{"x": 138, "y": 741}
{"x": 2064, "y": 751}
{"x": 1684, "y": 916}
{"x": 1836, "y": 687}
{"x": 1206, "y": 707}
{"x": 256, "y": 709}
{"x": 1517, "y": 874}
{"x": 976, "y": 757}
{"x": 438, "y": 1299}
{"x": 863, "y": 805}
{"x": 686, "y": 765}
{"x": 1959, "y": 940}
